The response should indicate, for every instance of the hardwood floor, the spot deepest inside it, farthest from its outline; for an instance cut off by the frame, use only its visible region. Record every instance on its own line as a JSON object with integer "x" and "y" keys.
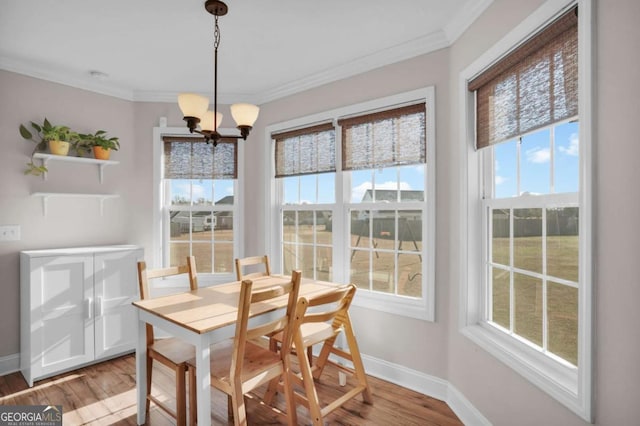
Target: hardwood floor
{"x": 105, "y": 394}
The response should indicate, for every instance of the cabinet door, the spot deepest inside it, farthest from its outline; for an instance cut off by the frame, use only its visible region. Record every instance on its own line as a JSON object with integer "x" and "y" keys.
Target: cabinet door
{"x": 116, "y": 286}
{"x": 61, "y": 305}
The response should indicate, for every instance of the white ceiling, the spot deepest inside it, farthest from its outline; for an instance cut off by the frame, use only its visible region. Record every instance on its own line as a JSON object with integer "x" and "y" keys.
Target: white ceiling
{"x": 153, "y": 49}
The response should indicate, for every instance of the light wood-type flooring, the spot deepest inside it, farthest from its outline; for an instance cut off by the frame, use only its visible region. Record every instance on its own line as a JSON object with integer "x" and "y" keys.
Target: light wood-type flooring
{"x": 105, "y": 394}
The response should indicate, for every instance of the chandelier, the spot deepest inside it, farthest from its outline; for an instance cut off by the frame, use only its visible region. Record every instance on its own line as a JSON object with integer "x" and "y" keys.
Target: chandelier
{"x": 194, "y": 107}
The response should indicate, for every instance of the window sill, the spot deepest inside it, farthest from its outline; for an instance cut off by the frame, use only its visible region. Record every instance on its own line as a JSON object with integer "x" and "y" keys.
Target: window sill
{"x": 398, "y": 305}
{"x": 557, "y": 379}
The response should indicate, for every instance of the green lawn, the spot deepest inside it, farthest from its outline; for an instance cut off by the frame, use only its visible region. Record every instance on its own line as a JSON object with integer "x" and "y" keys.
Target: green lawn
{"x": 562, "y": 300}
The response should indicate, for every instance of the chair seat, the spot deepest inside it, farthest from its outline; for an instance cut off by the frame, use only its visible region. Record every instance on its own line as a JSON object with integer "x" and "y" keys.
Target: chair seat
{"x": 257, "y": 360}
{"x": 174, "y": 350}
{"x": 312, "y": 333}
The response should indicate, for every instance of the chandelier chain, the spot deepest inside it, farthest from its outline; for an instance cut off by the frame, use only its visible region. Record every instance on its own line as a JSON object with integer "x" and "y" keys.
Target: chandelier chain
{"x": 216, "y": 34}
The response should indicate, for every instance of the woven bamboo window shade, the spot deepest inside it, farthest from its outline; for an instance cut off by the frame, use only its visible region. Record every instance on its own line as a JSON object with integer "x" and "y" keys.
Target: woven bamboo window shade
{"x": 305, "y": 151}
{"x": 532, "y": 87}
{"x": 192, "y": 158}
{"x": 384, "y": 139}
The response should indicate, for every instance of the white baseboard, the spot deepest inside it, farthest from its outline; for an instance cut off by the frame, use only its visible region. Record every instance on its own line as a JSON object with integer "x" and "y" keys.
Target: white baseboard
{"x": 9, "y": 364}
{"x": 428, "y": 385}
{"x": 466, "y": 412}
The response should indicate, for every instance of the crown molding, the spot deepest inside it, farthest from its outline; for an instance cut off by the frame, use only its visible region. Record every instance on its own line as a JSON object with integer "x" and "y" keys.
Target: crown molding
{"x": 62, "y": 76}
{"x": 419, "y": 46}
{"x": 391, "y": 55}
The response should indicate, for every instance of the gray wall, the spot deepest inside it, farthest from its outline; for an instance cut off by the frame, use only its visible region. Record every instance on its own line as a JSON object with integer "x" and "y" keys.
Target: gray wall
{"x": 498, "y": 392}
{"x": 503, "y": 396}
{"x": 69, "y": 222}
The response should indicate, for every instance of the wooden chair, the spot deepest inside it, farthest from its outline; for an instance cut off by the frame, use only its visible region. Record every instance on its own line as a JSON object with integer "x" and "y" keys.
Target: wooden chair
{"x": 324, "y": 324}
{"x": 239, "y": 365}
{"x": 252, "y": 261}
{"x": 170, "y": 352}
{"x": 275, "y": 341}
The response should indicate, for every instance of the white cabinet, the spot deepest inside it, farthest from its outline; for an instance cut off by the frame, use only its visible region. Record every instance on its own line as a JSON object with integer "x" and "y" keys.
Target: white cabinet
{"x": 76, "y": 307}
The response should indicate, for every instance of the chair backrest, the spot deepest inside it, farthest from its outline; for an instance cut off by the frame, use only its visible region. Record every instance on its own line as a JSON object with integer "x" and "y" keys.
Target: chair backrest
{"x": 250, "y": 263}
{"x": 333, "y": 306}
{"x": 249, "y": 297}
{"x": 144, "y": 275}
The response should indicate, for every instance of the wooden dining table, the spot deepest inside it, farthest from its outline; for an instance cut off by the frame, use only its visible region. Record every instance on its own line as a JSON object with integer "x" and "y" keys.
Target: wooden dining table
{"x": 203, "y": 317}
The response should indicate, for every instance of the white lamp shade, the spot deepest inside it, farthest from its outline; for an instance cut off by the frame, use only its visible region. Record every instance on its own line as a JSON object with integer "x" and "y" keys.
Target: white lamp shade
{"x": 244, "y": 114}
{"x": 192, "y": 104}
{"x": 206, "y": 122}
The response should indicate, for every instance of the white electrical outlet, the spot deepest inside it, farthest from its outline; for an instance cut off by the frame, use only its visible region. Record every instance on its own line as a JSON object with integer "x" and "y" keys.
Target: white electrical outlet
{"x": 9, "y": 232}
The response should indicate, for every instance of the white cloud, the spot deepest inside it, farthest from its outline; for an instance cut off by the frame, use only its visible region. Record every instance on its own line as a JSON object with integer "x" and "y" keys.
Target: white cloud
{"x": 499, "y": 180}
{"x": 197, "y": 192}
{"x": 538, "y": 155}
{"x": 574, "y": 146}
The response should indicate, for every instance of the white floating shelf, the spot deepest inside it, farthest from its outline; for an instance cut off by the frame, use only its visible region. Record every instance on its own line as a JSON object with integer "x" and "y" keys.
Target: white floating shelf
{"x": 45, "y": 158}
{"x": 46, "y": 195}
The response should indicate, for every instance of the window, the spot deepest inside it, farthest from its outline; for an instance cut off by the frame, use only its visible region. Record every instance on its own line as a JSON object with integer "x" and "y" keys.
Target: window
{"x": 305, "y": 164}
{"x": 385, "y": 153}
{"x": 532, "y": 236}
{"x": 370, "y": 220}
{"x": 526, "y": 292}
{"x": 198, "y": 203}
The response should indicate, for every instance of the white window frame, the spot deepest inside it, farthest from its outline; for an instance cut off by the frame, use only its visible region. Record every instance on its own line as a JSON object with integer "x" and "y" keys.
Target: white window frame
{"x": 161, "y": 226}
{"x": 569, "y": 385}
{"x": 423, "y": 308}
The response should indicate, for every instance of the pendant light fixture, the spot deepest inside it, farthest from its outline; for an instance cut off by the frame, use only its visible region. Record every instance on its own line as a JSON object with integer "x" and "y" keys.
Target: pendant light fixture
{"x": 194, "y": 107}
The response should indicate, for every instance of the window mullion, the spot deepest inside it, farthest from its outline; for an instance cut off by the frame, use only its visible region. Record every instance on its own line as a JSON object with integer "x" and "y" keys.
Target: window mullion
{"x": 512, "y": 297}
{"x": 545, "y": 335}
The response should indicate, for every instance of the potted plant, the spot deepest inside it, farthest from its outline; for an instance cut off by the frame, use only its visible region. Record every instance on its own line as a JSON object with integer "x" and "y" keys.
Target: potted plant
{"x": 58, "y": 138}
{"x": 101, "y": 144}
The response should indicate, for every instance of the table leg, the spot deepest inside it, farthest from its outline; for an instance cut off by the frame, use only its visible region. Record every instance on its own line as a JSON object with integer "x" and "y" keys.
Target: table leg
{"x": 141, "y": 371}
{"x": 203, "y": 381}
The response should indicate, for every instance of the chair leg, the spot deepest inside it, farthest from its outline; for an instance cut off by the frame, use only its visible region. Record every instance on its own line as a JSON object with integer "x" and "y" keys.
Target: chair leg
{"x": 309, "y": 389}
{"x": 193, "y": 404}
{"x": 322, "y": 359}
{"x": 239, "y": 409}
{"x": 310, "y": 355}
{"x": 149, "y": 372}
{"x": 230, "y": 407}
{"x": 181, "y": 397}
{"x": 292, "y": 415}
{"x": 271, "y": 391}
{"x": 357, "y": 362}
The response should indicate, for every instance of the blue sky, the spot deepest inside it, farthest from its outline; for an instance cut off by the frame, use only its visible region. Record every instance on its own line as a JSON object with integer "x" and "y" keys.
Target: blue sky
{"x": 535, "y": 173}
{"x": 536, "y": 163}
{"x": 207, "y": 189}
{"x": 404, "y": 178}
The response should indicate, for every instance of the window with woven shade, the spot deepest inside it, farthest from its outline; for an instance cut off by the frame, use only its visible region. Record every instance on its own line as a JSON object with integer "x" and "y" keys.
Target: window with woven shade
{"x": 528, "y": 277}
{"x": 193, "y": 158}
{"x": 532, "y": 87}
{"x": 305, "y": 151}
{"x": 199, "y": 203}
{"x": 382, "y": 139}
{"x": 305, "y": 165}
{"x": 370, "y": 222}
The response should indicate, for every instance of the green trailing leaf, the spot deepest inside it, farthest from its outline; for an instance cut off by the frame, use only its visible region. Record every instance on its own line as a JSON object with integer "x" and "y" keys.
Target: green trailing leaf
{"x": 25, "y": 133}
{"x": 35, "y": 170}
{"x": 46, "y": 124}
{"x": 36, "y": 126}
